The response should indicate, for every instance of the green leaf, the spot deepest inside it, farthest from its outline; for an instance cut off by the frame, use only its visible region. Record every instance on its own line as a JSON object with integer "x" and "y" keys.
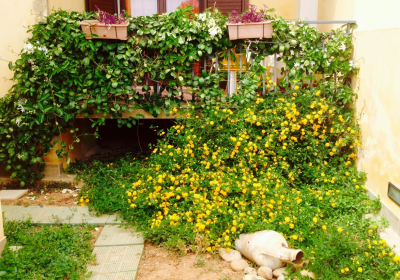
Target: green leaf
{"x": 86, "y": 61}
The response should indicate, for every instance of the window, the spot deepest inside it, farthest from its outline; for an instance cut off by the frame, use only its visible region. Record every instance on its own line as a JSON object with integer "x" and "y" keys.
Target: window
{"x": 149, "y": 7}
{"x": 143, "y": 8}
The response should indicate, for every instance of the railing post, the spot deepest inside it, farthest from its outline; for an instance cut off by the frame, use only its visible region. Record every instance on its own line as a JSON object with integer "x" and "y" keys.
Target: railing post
{"x": 263, "y": 77}
{"x": 147, "y": 83}
{"x": 229, "y": 72}
{"x": 240, "y": 71}
{"x": 275, "y": 71}
{"x": 216, "y": 62}
{"x": 193, "y": 94}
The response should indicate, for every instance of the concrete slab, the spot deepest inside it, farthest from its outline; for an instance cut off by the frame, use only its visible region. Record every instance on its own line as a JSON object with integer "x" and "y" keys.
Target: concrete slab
{"x": 114, "y": 219}
{"x": 392, "y": 239}
{"x": 112, "y": 235}
{"x": 117, "y": 259}
{"x": 11, "y": 194}
{"x": 53, "y": 214}
{"x": 129, "y": 275}
{"x": 15, "y": 248}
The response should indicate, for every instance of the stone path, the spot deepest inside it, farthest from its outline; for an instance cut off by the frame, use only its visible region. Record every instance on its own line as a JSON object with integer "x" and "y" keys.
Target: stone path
{"x": 118, "y": 250}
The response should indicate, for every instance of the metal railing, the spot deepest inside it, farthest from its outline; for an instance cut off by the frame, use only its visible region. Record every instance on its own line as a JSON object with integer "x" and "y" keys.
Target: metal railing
{"x": 230, "y": 91}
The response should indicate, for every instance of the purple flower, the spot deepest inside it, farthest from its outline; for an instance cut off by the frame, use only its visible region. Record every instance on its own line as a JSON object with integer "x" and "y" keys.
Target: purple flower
{"x": 249, "y": 16}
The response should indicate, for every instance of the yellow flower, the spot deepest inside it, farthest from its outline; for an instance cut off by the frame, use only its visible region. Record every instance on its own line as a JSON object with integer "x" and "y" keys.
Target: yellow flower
{"x": 315, "y": 220}
{"x": 396, "y": 259}
{"x": 340, "y": 229}
{"x": 359, "y": 269}
{"x": 324, "y": 227}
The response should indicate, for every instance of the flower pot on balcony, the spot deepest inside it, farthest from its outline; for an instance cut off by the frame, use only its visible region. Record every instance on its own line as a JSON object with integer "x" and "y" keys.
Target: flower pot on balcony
{"x": 250, "y": 30}
{"x": 113, "y": 31}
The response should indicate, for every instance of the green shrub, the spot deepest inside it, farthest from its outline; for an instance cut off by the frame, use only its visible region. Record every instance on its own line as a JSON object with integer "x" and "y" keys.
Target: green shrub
{"x": 284, "y": 162}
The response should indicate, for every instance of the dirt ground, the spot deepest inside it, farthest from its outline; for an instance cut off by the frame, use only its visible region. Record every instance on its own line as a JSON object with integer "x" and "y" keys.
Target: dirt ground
{"x": 43, "y": 197}
{"x": 96, "y": 233}
{"x": 158, "y": 263}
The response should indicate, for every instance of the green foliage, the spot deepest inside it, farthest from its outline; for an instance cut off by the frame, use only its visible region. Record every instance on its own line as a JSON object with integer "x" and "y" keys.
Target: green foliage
{"x": 61, "y": 74}
{"x": 48, "y": 252}
{"x": 283, "y": 162}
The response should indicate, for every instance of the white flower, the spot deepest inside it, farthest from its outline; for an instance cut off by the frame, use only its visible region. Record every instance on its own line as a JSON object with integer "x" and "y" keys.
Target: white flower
{"x": 202, "y": 17}
{"x": 296, "y": 64}
{"x": 28, "y": 48}
{"x": 18, "y": 120}
{"x": 342, "y": 47}
{"x": 181, "y": 40}
{"x": 351, "y": 63}
{"x": 214, "y": 31}
{"x": 20, "y": 108}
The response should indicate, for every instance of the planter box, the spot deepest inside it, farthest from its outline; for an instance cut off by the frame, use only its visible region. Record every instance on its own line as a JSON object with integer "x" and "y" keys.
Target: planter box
{"x": 115, "y": 31}
{"x": 250, "y": 30}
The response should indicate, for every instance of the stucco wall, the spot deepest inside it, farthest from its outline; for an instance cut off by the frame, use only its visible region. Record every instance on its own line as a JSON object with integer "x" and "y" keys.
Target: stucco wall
{"x": 284, "y": 8}
{"x": 376, "y": 49}
{"x": 15, "y": 17}
{"x": 68, "y": 5}
{"x": 335, "y": 10}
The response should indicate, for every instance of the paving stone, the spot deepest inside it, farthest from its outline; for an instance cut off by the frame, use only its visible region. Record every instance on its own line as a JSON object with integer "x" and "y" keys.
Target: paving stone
{"x": 117, "y": 258}
{"x": 112, "y": 235}
{"x": 16, "y": 213}
{"x": 12, "y": 194}
{"x": 114, "y": 220}
{"x": 48, "y": 216}
{"x": 129, "y": 275}
{"x": 392, "y": 239}
{"x": 15, "y": 248}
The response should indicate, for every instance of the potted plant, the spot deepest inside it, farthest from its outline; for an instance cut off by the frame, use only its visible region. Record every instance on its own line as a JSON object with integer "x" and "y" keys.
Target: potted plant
{"x": 251, "y": 24}
{"x": 107, "y": 26}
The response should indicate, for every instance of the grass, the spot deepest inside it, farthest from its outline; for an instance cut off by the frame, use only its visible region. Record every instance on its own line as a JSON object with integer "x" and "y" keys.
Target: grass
{"x": 48, "y": 252}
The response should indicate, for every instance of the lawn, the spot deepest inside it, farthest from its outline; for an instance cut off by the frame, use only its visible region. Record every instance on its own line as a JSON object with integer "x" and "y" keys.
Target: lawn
{"x": 48, "y": 252}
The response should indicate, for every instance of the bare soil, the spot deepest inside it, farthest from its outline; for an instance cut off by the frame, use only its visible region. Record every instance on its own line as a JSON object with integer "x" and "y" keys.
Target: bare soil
{"x": 159, "y": 263}
{"x": 43, "y": 197}
{"x": 96, "y": 233}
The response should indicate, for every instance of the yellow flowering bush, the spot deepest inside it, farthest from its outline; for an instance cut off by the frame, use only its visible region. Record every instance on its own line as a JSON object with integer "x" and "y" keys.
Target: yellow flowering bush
{"x": 284, "y": 162}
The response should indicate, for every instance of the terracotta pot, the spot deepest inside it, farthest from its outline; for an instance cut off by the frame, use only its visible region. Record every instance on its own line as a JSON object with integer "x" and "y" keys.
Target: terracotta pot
{"x": 114, "y": 31}
{"x": 250, "y": 30}
{"x": 268, "y": 248}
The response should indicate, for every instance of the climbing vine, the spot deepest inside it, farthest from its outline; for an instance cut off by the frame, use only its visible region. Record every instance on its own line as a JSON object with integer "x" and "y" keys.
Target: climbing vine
{"x": 61, "y": 75}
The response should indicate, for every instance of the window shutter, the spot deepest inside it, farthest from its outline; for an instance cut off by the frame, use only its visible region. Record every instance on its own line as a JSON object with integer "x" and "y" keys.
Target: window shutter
{"x": 109, "y": 6}
{"x": 226, "y": 6}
